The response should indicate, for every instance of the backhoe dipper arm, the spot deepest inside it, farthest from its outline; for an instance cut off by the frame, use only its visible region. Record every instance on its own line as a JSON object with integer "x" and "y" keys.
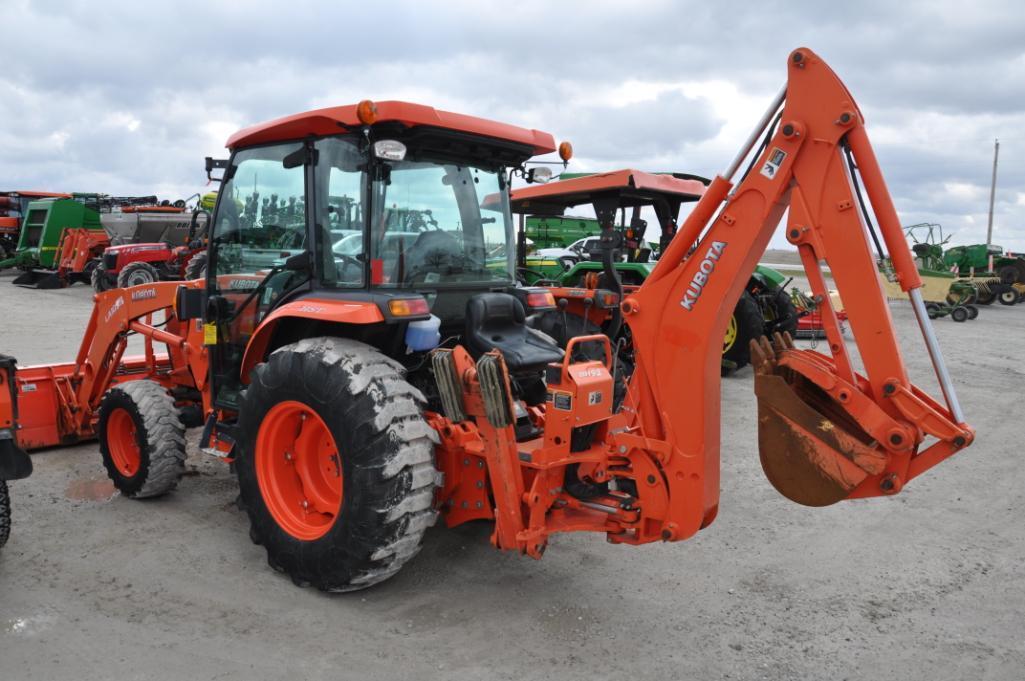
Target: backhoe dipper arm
{"x": 825, "y": 432}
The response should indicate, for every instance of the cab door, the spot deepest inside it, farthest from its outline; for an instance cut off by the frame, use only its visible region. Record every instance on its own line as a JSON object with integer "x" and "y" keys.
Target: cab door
{"x": 259, "y": 222}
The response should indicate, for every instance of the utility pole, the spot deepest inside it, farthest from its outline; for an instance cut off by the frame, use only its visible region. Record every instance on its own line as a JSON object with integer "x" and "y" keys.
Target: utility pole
{"x": 992, "y": 194}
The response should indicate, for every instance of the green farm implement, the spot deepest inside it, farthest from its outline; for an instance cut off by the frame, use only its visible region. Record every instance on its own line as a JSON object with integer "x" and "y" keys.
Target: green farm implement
{"x": 42, "y": 229}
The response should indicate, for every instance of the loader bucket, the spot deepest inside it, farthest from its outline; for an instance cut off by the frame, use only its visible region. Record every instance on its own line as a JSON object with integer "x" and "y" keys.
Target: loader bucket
{"x": 811, "y": 450}
{"x": 39, "y": 279}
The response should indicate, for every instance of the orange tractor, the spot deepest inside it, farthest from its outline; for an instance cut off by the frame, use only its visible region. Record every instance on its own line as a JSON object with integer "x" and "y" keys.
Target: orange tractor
{"x": 321, "y": 373}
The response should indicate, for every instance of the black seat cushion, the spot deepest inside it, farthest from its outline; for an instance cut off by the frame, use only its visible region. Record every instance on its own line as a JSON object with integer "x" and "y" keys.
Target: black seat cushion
{"x": 496, "y": 321}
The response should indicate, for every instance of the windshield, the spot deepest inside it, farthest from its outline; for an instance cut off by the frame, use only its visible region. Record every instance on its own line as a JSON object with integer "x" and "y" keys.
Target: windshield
{"x": 439, "y": 224}
{"x": 429, "y": 224}
{"x": 261, "y": 215}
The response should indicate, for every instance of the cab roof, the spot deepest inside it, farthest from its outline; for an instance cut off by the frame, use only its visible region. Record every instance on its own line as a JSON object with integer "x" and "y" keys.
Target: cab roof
{"x": 332, "y": 120}
{"x": 633, "y": 187}
{"x": 35, "y": 194}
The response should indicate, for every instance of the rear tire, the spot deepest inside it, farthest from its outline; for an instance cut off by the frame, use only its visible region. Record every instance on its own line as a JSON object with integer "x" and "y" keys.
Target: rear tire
{"x": 973, "y": 311}
{"x": 196, "y": 267}
{"x": 746, "y": 324}
{"x": 959, "y": 314}
{"x": 1008, "y": 274}
{"x": 137, "y": 274}
{"x": 142, "y": 439}
{"x": 372, "y": 419}
{"x": 784, "y": 313}
{"x": 1008, "y": 297}
{"x": 933, "y": 310}
{"x": 5, "y": 513}
{"x": 100, "y": 279}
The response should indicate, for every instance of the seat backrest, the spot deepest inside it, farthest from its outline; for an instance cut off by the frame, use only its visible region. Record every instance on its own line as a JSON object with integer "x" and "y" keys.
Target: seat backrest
{"x": 497, "y": 321}
{"x": 498, "y": 312}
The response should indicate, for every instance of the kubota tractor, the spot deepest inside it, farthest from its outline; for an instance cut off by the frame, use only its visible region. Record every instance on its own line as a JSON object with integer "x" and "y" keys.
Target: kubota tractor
{"x": 351, "y": 425}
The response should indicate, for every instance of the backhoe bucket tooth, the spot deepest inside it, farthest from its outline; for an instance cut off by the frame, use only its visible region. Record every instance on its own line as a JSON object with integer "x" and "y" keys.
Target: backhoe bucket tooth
{"x": 42, "y": 279}
{"x": 811, "y": 450}
{"x": 15, "y": 464}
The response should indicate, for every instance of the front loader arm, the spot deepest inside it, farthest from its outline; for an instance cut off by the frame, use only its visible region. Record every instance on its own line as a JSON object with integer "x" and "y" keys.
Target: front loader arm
{"x": 826, "y": 433}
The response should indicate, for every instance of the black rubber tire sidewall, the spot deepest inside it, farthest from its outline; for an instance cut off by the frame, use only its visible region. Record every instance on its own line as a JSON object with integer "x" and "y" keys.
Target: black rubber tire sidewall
{"x": 100, "y": 280}
{"x": 331, "y": 561}
{"x": 750, "y": 325}
{"x": 1008, "y": 274}
{"x": 128, "y": 486}
{"x": 785, "y": 312}
{"x": 5, "y": 513}
{"x": 125, "y": 276}
{"x": 196, "y": 267}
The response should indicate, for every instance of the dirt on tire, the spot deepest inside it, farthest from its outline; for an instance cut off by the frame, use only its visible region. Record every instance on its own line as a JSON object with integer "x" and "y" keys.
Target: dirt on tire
{"x": 386, "y": 455}
{"x": 5, "y": 513}
{"x": 160, "y": 435}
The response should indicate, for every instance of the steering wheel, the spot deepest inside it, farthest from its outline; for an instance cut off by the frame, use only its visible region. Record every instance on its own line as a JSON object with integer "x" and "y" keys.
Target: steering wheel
{"x": 347, "y": 261}
{"x": 290, "y": 239}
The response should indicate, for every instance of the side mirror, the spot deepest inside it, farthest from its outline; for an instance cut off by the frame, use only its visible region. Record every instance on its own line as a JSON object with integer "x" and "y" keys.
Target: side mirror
{"x": 189, "y": 303}
{"x": 215, "y": 164}
{"x": 540, "y": 175}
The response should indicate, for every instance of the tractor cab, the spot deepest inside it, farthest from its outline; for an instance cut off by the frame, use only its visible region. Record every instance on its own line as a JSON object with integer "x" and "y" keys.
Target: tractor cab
{"x": 611, "y": 195}
{"x": 374, "y": 222}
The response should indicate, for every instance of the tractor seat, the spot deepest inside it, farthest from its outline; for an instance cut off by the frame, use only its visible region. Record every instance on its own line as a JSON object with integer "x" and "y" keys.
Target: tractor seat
{"x": 496, "y": 321}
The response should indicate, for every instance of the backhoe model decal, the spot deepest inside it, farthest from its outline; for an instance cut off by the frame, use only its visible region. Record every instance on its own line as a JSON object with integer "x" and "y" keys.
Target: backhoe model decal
{"x": 697, "y": 284}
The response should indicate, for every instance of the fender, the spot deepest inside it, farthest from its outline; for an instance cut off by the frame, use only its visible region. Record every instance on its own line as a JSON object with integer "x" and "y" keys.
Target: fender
{"x": 319, "y": 309}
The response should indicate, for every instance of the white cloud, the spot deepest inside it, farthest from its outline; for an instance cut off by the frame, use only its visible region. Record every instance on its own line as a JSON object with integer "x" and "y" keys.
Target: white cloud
{"x": 666, "y": 86}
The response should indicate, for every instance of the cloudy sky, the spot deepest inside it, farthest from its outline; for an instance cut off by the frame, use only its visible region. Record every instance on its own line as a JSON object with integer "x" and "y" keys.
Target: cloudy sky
{"x": 128, "y": 97}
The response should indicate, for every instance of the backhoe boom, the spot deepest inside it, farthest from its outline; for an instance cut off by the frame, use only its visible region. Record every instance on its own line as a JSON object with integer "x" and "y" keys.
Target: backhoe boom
{"x": 650, "y": 470}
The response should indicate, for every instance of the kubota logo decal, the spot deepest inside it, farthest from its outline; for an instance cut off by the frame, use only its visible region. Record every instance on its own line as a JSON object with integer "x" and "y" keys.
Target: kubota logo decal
{"x": 144, "y": 294}
{"x": 705, "y": 269}
{"x": 114, "y": 308}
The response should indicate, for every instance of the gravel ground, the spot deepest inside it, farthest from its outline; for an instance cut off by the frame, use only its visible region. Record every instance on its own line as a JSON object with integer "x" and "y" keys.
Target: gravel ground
{"x": 926, "y": 585}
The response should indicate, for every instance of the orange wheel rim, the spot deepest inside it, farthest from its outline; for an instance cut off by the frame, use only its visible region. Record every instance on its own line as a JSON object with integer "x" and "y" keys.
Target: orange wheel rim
{"x": 123, "y": 442}
{"x": 299, "y": 470}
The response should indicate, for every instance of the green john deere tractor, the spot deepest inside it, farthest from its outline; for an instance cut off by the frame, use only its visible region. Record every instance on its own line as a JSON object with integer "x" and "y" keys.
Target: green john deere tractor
{"x": 764, "y": 308}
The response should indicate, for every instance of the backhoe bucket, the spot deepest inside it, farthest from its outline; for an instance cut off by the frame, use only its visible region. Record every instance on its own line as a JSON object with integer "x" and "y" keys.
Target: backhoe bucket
{"x": 811, "y": 450}
{"x": 39, "y": 279}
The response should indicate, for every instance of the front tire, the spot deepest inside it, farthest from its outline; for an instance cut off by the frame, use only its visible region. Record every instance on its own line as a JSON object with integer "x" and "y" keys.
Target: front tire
{"x": 335, "y": 464}
{"x": 137, "y": 274}
{"x": 100, "y": 279}
{"x": 142, "y": 439}
{"x": 5, "y": 513}
{"x": 196, "y": 267}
